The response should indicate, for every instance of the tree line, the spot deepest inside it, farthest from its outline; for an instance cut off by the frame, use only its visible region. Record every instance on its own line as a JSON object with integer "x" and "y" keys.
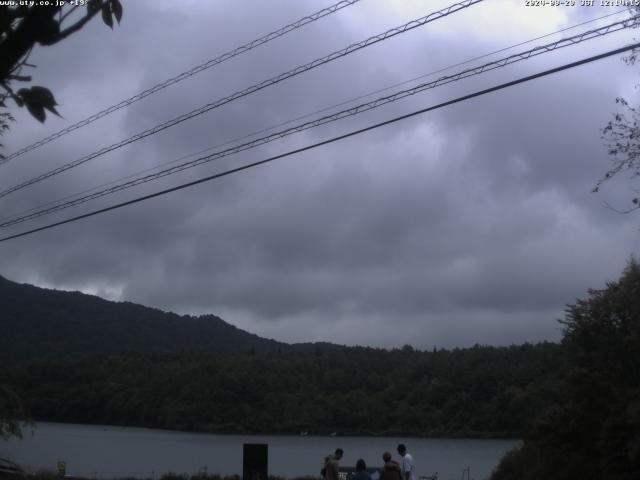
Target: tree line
{"x": 479, "y": 392}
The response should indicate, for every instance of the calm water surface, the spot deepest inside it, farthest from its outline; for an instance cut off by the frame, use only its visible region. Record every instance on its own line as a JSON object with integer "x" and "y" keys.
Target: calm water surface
{"x": 108, "y": 452}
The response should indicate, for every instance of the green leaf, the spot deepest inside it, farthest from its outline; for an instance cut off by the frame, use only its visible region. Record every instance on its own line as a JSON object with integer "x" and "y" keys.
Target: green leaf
{"x": 116, "y": 8}
{"x": 37, "y": 111}
{"x": 43, "y": 95}
{"x": 47, "y": 31}
{"x": 53, "y": 110}
{"x": 106, "y": 15}
{"x": 37, "y": 99}
{"x": 5, "y": 19}
{"x": 21, "y": 96}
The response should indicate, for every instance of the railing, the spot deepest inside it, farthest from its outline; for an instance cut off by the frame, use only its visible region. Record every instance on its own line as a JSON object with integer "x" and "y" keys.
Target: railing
{"x": 347, "y": 473}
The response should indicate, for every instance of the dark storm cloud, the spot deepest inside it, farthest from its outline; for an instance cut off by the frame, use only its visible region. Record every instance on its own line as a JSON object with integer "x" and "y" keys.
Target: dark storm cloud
{"x": 470, "y": 224}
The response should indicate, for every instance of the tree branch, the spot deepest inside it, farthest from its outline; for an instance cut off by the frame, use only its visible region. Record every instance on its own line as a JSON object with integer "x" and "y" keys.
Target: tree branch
{"x": 24, "y": 37}
{"x": 76, "y": 26}
{"x": 20, "y": 78}
{"x": 63, "y": 17}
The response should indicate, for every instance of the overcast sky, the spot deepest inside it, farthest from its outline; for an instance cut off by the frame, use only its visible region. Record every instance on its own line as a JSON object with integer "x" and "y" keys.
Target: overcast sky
{"x": 474, "y": 223}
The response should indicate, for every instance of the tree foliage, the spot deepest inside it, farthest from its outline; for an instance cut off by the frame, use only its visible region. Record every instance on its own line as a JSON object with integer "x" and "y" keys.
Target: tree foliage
{"x": 479, "y": 391}
{"x": 622, "y": 138}
{"x": 622, "y": 135}
{"x": 12, "y": 413}
{"x": 593, "y": 432}
{"x": 22, "y": 27}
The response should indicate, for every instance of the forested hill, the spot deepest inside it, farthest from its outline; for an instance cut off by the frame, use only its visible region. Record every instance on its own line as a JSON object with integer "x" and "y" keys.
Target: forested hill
{"x": 479, "y": 391}
{"x": 200, "y": 373}
{"x": 39, "y": 323}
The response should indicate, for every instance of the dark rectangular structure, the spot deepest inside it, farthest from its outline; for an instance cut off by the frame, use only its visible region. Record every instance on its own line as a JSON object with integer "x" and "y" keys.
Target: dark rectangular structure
{"x": 255, "y": 461}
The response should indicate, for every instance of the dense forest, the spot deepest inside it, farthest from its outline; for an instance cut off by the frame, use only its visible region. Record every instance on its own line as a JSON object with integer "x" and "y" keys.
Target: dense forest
{"x": 592, "y": 430}
{"x": 480, "y": 391}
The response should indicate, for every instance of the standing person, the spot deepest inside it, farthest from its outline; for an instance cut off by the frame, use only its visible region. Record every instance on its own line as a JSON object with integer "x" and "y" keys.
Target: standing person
{"x": 332, "y": 464}
{"x": 408, "y": 465}
{"x": 391, "y": 469}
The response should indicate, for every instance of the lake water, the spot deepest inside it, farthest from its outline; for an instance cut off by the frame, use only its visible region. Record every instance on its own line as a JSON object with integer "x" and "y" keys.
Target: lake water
{"x": 111, "y": 452}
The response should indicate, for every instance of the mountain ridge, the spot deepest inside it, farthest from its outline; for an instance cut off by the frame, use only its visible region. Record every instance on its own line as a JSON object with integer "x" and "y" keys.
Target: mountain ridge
{"x": 43, "y": 323}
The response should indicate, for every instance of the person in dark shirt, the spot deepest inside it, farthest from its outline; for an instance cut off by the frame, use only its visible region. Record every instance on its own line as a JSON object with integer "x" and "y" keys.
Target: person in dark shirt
{"x": 331, "y": 465}
{"x": 391, "y": 469}
{"x": 361, "y": 471}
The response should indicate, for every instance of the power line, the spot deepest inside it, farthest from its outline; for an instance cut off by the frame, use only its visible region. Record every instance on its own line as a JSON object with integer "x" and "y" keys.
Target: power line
{"x": 307, "y": 115}
{"x": 184, "y": 75}
{"x": 332, "y": 140}
{"x": 252, "y": 89}
{"x": 590, "y": 34}
{"x": 337, "y": 116}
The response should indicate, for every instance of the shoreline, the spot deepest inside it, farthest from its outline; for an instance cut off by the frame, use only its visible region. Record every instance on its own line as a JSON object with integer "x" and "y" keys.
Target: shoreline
{"x": 107, "y": 451}
{"x": 369, "y": 434}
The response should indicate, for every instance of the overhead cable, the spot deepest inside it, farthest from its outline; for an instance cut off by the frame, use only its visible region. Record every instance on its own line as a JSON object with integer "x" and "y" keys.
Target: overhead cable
{"x": 331, "y": 140}
{"x": 307, "y": 115}
{"x": 349, "y": 112}
{"x": 184, "y": 75}
{"x": 252, "y": 89}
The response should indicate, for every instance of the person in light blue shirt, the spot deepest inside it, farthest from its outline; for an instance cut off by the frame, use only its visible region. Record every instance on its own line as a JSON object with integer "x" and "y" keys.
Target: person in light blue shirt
{"x": 408, "y": 465}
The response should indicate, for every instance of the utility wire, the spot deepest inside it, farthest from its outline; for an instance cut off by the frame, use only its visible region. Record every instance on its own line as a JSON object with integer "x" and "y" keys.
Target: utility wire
{"x": 252, "y": 89}
{"x": 307, "y": 115}
{"x": 184, "y": 75}
{"x": 517, "y": 57}
{"x": 332, "y": 140}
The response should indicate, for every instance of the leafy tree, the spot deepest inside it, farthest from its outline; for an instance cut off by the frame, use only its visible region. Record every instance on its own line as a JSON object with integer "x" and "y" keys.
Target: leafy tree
{"x": 622, "y": 137}
{"x": 23, "y": 27}
{"x": 350, "y": 390}
{"x": 593, "y": 431}
{"x": 12, "y": 413}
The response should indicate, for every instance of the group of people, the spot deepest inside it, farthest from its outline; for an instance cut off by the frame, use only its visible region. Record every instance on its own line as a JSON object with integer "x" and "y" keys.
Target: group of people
{"x": 392, "y": 470}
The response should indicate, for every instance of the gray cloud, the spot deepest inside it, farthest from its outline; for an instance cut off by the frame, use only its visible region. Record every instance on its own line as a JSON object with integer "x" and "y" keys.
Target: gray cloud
{"x": 471, "y": 224}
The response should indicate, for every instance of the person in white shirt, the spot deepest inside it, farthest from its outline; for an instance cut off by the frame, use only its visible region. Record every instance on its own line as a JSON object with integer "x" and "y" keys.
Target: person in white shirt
{"x": 408, "y": 465}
